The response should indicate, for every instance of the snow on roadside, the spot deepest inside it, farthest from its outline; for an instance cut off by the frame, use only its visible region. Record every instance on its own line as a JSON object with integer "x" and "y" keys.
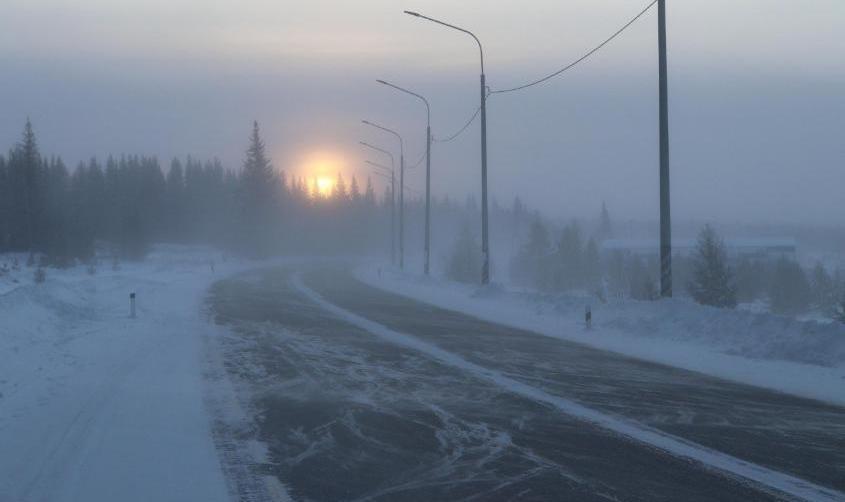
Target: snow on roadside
{"x": 95, "y": 405}
{"x": 803, "y": 358}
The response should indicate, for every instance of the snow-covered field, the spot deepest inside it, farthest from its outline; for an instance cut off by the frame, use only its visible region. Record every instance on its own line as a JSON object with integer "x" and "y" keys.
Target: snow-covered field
{"x": 804, "y": 358}
{"x": 95, "y": 405}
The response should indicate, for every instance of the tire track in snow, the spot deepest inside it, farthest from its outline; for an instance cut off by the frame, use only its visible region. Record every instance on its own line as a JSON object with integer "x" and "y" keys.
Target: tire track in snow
{"x": 668, "y": 443}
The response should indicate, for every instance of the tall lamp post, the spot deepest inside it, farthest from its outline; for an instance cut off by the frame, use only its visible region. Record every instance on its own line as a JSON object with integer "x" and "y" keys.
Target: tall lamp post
{"x": 485, "y": 240}
{"x": 427, "y": 250}
{"x": 392, "y": 171}
{"x": 401, "y": 189}
{"x": 392, "y": 177}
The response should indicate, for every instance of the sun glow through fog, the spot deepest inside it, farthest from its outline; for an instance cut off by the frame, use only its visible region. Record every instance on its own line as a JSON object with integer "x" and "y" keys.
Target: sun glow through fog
{"x": 320, "y": 170}
{"x": 325, "y": 186}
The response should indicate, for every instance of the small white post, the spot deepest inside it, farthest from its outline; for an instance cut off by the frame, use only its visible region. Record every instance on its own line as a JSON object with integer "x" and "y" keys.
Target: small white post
{"x": 132, "y": 305}
{"x": 588, "y": 317}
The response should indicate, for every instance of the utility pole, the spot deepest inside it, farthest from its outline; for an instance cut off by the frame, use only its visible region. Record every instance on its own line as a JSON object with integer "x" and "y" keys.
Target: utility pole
{"x": 665, "y": 201}
{"x": 485, "y": 236}
{"x": 485, "y": 247}
{"x": 392, "y": 171}
{"x": 402, "y": 210}
{"x": 427, "y": 266}
{"x": 427, "y": 247}
{"x": 401, "y": 189}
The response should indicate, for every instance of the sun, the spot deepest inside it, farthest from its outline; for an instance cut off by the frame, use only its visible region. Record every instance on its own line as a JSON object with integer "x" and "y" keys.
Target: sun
{"x": 325, "y": 186}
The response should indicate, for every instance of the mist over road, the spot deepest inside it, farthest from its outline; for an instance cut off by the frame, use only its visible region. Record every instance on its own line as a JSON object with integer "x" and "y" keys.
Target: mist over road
{"x": 348, "y": 415}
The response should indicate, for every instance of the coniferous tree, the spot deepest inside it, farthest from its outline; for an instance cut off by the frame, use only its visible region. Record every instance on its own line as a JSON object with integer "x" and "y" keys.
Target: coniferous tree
{"x": 5, "y": 201}
{"x": 789, "y": 291}
{"x": 641, "y": 277}
{"x": 259, "y": 182}
{"x": 839, "y": 313}
{"x": 824, "y": 294}
{"x": 175, "y": 200}
{"x": 354, "y": 191}
{"x": 605, "y": 230}
{"x": 56, "y": 222}
{"x": 339, "y": 192}
{"x": 531, "y": 264}
{"x": 24, "y": 179}
{"x": 370, "y": 194}
{"x": 465, "y": 261}
{"x": 712, "y": 282}
{"x": 592, "y": 264}
{"x": 568, "y": 273}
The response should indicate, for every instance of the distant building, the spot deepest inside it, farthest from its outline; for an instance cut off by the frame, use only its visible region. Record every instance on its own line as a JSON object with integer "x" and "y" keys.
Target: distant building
{"x": 756, "y": 248}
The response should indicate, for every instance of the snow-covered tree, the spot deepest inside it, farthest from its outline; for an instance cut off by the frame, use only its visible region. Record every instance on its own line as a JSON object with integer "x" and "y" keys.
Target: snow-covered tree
{"x": 712, "y": 282}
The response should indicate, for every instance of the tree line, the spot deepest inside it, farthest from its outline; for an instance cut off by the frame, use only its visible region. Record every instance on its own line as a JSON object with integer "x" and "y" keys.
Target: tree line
{"x": 122, "y": 205}
{"x": 568, "y": 258}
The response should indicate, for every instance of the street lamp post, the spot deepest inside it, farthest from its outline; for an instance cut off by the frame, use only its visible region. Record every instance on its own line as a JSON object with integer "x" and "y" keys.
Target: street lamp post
{"x": 427, "y": 250}
{"x": 485, "y": 240}
{"x": 392, "y": 178}
{"x": 401, "y": 190}
{"x": 392, "y": 171}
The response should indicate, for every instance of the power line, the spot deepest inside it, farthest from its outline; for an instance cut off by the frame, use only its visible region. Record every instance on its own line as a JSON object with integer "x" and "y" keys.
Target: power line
{"x": 462, "y": 129}
{"x": 417, "y": 163}
{"x": 582, "y": 58}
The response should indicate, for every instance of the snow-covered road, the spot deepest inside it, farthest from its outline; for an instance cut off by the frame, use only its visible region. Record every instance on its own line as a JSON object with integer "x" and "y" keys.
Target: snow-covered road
{"x": 310, "y": 384}
{"x": 358, "y": 393}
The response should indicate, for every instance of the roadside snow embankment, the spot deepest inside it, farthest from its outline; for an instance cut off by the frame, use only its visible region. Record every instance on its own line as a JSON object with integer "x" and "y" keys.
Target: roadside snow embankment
{"x": 95, "y": 405}
{"x": 804, "y": 358}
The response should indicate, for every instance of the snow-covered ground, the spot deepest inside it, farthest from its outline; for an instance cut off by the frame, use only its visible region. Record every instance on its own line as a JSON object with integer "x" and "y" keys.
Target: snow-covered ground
{"x": 804, "y": 358}
{"x": 95, "y": 406}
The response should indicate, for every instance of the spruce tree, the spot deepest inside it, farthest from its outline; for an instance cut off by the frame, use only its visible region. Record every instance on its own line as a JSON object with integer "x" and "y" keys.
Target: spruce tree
{"x": 28, "y": 167}
{"x": 789, "y": 291}
{"x": 258, "y": 176}
{"x": 712, "y": 282}
{"x": 340, "y": 193}
{"x": 605, "y": 226}
{"x": 823, "y": 290}
{"x": 531, "y": 265}
{"x": 839, "y": 313}
{"x": 370, "y": 194}
{"x": 258, "y": 193}
{"x": 465, "y": 261}
{"x": 354, "y": 191}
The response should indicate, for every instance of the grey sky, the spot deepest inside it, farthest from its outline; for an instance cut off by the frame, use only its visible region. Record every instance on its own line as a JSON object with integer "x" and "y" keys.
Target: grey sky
{"x": 757, "y": 93}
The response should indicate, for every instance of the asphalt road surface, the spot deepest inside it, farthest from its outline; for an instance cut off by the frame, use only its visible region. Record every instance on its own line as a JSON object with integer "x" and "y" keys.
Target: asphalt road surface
{"x": 349, "y": 414}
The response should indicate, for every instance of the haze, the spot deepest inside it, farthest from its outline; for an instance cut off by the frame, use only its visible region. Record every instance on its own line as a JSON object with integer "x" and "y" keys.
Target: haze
{"x": 757, "y": 94}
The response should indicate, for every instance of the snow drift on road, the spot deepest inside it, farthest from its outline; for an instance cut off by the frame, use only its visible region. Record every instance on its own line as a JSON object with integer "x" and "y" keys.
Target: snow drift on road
{"x": 805, "y": 358}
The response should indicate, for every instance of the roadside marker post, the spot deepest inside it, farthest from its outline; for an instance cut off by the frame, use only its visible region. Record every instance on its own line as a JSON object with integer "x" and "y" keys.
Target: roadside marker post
{"x": 132, "y": 305}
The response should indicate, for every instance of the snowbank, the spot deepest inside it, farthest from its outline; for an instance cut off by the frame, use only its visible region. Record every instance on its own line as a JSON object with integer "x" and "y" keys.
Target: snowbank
{"x": 804, "y": 358}
{"x": 95, "y": 405}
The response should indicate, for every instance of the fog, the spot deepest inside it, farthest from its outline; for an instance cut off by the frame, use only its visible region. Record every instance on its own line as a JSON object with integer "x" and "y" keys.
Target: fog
{"x": 756, "y": 100}
{"x": 223, "y": 276}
